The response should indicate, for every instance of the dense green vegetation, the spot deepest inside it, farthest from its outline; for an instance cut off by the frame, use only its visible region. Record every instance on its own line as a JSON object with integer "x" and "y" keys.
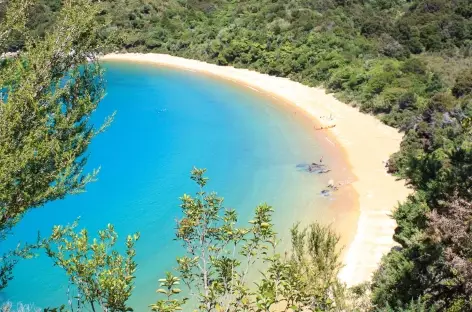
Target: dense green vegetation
{"x": 408, "y": 62}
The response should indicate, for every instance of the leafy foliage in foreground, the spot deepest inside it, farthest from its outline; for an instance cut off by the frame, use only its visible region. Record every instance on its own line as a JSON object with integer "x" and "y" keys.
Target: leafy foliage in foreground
{"x": 96, "y": 270}
{"x": 220, "y": 269}
{"x": 49, "y": 91}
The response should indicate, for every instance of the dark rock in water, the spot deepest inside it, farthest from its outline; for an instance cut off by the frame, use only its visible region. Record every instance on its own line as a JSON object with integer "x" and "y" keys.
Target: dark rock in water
{"x": 333, "y": 187}
{"x": 325, "y": 193}
{"x": 313, "y": 168}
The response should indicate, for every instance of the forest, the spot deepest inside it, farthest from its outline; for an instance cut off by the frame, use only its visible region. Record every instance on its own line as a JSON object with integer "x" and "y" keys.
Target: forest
{"x": 408, "y": 62}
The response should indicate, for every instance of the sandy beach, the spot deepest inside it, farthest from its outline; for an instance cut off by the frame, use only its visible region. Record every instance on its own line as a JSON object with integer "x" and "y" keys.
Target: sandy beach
{"x": 366, "y": 142}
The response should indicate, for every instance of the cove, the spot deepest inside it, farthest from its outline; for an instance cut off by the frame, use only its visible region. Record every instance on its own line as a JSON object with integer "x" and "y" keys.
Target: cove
{"x": 168, "y": 121}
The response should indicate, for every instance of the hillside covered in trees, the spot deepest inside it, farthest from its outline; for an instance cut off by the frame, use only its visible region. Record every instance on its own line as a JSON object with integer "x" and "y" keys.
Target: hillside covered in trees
{"x": 408, "y": 62}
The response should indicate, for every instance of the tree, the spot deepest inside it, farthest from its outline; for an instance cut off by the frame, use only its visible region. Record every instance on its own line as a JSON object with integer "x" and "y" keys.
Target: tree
{"x": 316, "y": 259}
{"x": 99, "y": 273}
{"x": 451, "y": 227}
{"x": 433, "y": 266}
{"x": 220, "y": 255}
{"x": 49, "y": 90}
{"x": 463, "y": 84}
{"x": 219, "y": 267}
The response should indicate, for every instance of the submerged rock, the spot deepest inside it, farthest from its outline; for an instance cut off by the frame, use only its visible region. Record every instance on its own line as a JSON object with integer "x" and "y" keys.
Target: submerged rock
{"x": 313, "y": 168}
{"x": 325, "y": 193}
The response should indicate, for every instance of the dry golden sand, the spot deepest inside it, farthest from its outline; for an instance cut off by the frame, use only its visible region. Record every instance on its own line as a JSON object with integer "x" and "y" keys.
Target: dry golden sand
{"x": 367, "y": 143}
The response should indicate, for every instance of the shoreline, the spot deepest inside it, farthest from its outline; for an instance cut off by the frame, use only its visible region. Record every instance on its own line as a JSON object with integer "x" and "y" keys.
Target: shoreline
{"x": 364, "y": 141}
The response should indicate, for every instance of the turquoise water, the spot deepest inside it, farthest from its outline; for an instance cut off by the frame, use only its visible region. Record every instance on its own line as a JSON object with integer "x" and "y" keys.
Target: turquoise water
{"x": 167, "y": 122}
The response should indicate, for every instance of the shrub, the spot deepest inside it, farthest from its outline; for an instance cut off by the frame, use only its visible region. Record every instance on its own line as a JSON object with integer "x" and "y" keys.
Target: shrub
{"x": 463, "y": 84}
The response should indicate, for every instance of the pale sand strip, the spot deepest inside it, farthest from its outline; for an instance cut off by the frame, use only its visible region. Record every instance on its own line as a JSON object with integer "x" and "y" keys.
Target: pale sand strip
{"x": 366, "y": 141}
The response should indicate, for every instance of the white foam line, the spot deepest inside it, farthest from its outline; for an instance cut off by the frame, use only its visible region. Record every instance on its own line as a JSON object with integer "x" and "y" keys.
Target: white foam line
{"x": 332, "y": 143}
{"x": 253, "y": 88}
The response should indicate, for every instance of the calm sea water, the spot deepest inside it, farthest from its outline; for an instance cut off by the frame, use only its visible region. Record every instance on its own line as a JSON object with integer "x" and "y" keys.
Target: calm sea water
{"x": 167, "y": 122}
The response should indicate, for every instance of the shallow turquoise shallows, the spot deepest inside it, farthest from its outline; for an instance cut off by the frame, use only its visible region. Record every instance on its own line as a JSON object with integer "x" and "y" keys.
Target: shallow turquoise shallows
{"x": 168, "y": 121}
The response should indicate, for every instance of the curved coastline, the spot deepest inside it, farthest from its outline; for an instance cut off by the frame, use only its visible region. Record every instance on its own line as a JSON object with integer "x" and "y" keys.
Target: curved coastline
{"x": 366, "y": 142}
